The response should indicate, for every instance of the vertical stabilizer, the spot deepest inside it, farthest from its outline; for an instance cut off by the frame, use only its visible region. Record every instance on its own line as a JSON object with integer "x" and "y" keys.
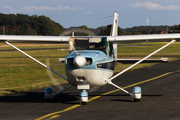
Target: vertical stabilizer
{"x": 114, "y": 32}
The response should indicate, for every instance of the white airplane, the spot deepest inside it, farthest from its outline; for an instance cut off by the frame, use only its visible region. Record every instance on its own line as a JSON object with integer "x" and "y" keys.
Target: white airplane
{"x": 92, "y": 59}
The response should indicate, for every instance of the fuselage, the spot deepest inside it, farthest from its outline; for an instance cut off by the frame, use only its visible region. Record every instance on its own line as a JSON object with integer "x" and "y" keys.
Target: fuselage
{"x": 98, "y": 67}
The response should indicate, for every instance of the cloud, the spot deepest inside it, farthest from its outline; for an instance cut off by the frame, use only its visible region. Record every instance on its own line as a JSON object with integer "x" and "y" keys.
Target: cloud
{"x": 30, "y": 9}
{"x": 89, "y": 12}
{"x": 81, "y": 8}
{"x": 154, "y": 6}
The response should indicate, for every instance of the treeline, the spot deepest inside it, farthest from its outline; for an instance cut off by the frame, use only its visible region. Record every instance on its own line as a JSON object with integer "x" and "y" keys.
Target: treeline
{"x": 105, "y": 30}
{"x": 20, "y": 24}
{"x": 79, "y": 31}
{"x": 137, "y": 30}
{"x": 146, "y": 29}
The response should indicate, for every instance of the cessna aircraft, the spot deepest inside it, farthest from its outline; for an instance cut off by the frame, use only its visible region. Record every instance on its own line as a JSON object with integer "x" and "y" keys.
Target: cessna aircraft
{"x": 91, "y": 59}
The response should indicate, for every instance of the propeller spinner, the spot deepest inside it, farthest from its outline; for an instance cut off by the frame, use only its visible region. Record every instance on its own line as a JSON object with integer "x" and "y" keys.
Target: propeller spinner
{"x": 79, "y": 61}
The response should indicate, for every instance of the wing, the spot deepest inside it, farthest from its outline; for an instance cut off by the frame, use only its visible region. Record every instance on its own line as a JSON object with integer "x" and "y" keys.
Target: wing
{"x": 123, "y": 38}
{"x": 144, "y": 38}
{"x": 62, "y": 60}
{"x": 25, "y": 38}
{"x": 130, "y": 61}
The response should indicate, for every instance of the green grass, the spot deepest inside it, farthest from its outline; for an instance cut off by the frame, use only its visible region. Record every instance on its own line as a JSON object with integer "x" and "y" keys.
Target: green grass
{"x": 19, "y": 73}
{"x": 173, "y": 49}
{"x": 31, "y": 46}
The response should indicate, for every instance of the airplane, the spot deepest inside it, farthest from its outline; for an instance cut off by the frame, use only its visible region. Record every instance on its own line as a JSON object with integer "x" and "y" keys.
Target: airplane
{"x": 91, "y": 59}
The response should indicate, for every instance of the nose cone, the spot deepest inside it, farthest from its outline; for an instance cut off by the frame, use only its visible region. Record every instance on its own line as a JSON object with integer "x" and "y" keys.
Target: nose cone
{"x": 79, "y": 61}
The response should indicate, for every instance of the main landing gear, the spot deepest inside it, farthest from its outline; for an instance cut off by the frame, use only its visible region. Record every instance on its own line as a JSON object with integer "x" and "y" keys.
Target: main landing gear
{"x": 136, "y": 93}
{"x": 49, "y": 93}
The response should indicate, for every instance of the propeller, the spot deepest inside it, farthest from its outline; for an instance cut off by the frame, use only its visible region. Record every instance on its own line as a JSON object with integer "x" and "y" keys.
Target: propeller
{"x": 80, "y": 58}
{"x": 77, "y": 30}
{"x": 51, "y": 77}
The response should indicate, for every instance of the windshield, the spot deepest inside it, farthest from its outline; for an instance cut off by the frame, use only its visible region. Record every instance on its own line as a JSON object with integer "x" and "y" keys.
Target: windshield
{"x": 88, "y": 44}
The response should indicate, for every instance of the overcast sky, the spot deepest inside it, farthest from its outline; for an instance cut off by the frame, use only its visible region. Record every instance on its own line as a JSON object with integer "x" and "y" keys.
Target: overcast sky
{"x": 90, "y": 12}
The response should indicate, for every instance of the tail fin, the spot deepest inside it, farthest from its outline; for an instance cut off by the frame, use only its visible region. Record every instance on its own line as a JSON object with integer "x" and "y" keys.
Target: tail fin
{"x": 114, "y": 32}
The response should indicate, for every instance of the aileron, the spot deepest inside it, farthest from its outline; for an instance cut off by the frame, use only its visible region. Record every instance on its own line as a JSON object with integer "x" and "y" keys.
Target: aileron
{"x": 130, "y": 61}
{"x": 25, "y": 38}
{"x": 144, "y": 38}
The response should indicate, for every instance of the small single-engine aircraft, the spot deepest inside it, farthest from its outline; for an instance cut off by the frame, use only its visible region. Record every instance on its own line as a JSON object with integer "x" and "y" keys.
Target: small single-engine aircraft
{"x": 92, "y": 59}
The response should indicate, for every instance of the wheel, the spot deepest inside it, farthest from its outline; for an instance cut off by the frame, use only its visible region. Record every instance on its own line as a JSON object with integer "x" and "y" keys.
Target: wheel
{"x": 83, "y": 103}
{"x": 137, "y": 94}
{"x": 48, "y": 100}
{"x": 49, "y": 94}
{"x": 137, "y": 100}
{"x": 83, "y": 97}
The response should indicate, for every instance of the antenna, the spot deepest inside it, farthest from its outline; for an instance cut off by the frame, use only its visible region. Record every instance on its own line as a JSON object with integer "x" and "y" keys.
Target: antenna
{"x": 147, "y": 21}
{"x": 3, "y": 30}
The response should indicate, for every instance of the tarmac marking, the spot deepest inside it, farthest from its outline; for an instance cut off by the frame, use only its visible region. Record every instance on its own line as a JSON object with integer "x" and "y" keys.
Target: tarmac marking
{"x": 54, "y": 115}
{"x": 58, "y": 112}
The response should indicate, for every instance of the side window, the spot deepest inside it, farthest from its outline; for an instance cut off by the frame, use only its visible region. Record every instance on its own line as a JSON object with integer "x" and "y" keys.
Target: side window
{"x": 111, "y": 52}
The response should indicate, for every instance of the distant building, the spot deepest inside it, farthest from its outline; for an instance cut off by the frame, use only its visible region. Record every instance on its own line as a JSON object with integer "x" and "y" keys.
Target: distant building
{"x": 157, "y": 32}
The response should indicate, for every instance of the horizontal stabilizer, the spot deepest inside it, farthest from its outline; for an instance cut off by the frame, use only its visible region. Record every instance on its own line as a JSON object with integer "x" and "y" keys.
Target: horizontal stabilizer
{"x": 129, "y": 61}
{"x": 62, "y": 60}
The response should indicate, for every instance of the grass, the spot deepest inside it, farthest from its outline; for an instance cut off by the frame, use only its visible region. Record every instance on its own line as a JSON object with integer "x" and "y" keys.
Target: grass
{"x": 124, "y": 51}
{"x": 31, "y": 46}
{"x": 144, "y": 50}
{"x": 19, "y": 73}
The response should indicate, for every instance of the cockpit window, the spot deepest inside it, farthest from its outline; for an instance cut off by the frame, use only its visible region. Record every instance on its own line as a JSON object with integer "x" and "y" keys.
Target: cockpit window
{"x": 88, "y": 44}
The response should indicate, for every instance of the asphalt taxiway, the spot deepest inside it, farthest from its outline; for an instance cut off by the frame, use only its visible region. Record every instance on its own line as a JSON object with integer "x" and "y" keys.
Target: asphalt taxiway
{"x": 160, "y": 99}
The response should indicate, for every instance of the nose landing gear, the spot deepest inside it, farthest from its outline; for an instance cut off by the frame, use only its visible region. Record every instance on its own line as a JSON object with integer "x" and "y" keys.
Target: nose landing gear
{"x": 83, "y": 97}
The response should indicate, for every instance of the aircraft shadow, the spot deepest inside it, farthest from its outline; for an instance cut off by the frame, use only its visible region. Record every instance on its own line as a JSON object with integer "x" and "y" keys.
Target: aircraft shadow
{"x": 38, "y": 97}
{"x": 66, "y": 98}
{"x": 130, "y": 100}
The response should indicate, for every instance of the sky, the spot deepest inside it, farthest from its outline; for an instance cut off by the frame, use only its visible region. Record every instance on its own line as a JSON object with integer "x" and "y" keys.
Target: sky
{"x": 90, "y": 12}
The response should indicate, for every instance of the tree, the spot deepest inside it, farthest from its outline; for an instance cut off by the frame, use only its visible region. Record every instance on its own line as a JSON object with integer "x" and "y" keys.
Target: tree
{"x": 107, "y": 30}
{"x": 21, "y": 24}
{"x": 30, "y": 31}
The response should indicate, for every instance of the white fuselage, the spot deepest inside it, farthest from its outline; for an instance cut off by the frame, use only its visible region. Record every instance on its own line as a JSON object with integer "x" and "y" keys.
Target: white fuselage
{"x": 93, "y": 77}
{"x": 99, "y": 69}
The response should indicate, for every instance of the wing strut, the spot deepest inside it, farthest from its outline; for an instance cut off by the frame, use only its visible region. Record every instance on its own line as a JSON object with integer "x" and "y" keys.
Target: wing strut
{"x": 109, "y": 81}
{"x": 35, "y": 59}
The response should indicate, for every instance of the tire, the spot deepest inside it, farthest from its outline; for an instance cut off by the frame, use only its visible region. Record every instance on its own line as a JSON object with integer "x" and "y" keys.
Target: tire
{"x": 136, "y": 100}
{"x": 49, "y": 100}
{"x": 83, "y": 103}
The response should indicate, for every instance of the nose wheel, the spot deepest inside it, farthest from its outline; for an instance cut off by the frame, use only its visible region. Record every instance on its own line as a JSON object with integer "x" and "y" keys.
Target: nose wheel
{"x": 83, "y": 97}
